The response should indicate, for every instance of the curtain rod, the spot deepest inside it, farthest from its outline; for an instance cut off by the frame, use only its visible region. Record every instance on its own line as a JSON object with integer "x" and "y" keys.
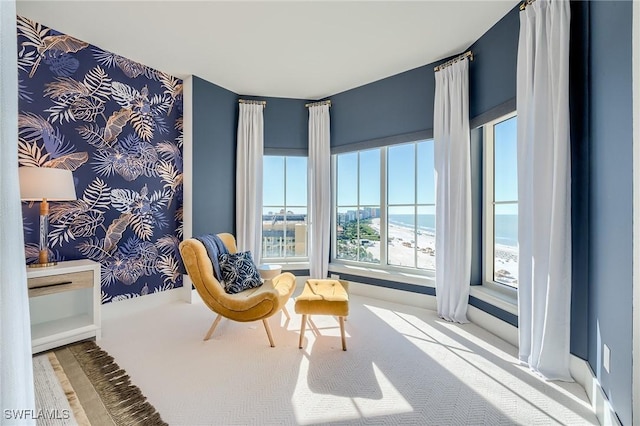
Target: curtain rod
{"x": 249, "y": 101}
{"x": 327, "y": 102}
{"x": 466, "y": 54}
{"x": 525, "y": 3}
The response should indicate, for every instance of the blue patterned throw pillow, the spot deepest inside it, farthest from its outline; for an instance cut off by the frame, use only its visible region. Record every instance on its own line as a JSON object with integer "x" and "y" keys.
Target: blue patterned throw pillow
{"x": 239, "y": 273}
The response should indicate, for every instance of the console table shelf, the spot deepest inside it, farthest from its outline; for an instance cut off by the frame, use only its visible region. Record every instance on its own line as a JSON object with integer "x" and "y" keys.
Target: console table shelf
{"x": 64, "y": 303}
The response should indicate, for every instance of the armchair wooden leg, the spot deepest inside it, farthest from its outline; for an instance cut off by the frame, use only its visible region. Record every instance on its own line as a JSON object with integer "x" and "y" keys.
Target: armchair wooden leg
{"x": 213, "y": 327}
{"x": 266, "y": 327}
{"x": 302, "y": 327}
{"x": 344, "y": 342}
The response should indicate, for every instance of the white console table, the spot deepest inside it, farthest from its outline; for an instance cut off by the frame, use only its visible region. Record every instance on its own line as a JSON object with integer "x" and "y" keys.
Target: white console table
{"x": 64, "y": 303}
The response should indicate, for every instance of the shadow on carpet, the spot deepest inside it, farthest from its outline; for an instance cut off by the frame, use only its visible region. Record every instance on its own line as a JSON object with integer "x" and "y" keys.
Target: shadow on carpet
{"x": 81, "y": 384}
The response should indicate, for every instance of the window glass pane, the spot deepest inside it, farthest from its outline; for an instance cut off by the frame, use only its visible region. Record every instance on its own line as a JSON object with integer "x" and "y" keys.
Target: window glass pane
{"x": 273, "y": 180}
{"x": 273, "y": 237}
{"x": 369, "y": 233}
{"x": 346, "y": 233}
{"x": 402, "y": 236}
{"x": 426, "y": 173}
{"x": 505, "y": 161}
{"x": 296, "y": 181}
{"x": 347, "y": 179}
{"x": 426, "y": 247}
{"x": 370, "y": 177}
{"x": 296, "y": 233}
{"x": 410, "y": 228}
{"x": 505, "y": 246}
{"x": 284, "y": 228}
{"x": 401, "y": 174}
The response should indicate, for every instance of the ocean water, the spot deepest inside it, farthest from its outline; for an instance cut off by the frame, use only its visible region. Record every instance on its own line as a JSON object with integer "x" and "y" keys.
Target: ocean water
{"x": 506, "y": 229}
{"x": 505, "y": 226}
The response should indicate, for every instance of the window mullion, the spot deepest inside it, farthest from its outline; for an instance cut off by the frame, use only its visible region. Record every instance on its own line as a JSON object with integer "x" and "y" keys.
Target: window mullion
{"x": 358, "y": 209}
{"x": 488, "y": 203}
{"x": 415, "y": 205}
{"x": 383, "y": 207}
{"x": 284, "y": 215}
{"x": 334, "y": 203}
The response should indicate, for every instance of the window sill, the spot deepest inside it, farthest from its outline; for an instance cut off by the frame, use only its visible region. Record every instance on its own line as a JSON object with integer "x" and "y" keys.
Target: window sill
{"x": 505, "y": 299}
{"x": 382, "y": 274}
{"x": 287, "y": 266}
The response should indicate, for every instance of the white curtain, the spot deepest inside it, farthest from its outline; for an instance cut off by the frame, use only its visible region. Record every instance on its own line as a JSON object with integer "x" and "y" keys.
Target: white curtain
{"x": 320, "y": 189}
{"x": 249, "y": 180}
{"x": 453, "y": 191}
{"x": 544, "y": 179}
{"x": 16, "y": 369}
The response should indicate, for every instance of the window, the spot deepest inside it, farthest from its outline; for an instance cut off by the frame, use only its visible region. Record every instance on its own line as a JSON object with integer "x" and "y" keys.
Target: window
{"x": 358, "y": 206}
{"x": 284, "y": 209}
{"x": 385, "y": 207}
{"x": 501, "y": 215}
{"x": 411, "y": 205}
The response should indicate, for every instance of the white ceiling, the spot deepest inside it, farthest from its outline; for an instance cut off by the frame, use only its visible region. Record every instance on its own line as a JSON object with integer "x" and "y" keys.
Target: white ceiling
{"x": 291, "y": 49}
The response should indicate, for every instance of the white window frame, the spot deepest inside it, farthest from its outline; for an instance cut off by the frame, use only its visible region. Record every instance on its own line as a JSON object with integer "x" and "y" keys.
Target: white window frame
{"x": 377, "y": 270}
{"x": 291, "y": 262}
{"x": 488, "y": 211}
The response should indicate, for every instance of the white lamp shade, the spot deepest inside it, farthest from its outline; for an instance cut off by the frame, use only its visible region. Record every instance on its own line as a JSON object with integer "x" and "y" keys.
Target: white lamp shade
{"x": 37, "y": 183}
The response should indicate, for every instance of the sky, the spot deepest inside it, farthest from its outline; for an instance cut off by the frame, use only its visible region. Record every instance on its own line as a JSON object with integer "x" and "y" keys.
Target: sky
{"x": 505, "y": 166}
{"x": 274, "y": 193}
{"x": 402, "y": 162}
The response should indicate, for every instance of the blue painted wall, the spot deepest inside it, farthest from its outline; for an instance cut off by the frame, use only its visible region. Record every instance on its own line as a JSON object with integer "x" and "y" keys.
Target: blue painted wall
{"x": 285, "y": 125}
{"x": 492, "y": 73}
{"x": 476, "y": 205}
{"x": 215, "y": 121}
{"x": 117, "y": 125}
{"x": 403, "y": 103}
{"x": 396, "y": 105}
{"x": 579, "y": 115}
{"x": 610, "y": 199}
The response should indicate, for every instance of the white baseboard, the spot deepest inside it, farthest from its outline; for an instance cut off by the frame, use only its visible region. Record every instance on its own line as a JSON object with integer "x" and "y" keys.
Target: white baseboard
{"x": 136, "y": 304}
{"x": 583, "y": 375}
{"x": 579, "y": 368}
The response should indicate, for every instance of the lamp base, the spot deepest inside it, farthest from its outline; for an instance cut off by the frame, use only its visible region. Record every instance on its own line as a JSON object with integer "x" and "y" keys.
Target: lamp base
{"x": 41, "y": 265}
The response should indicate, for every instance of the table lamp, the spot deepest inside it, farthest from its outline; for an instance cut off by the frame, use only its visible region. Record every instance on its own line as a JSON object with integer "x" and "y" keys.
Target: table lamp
{"x": 45, "y": 184}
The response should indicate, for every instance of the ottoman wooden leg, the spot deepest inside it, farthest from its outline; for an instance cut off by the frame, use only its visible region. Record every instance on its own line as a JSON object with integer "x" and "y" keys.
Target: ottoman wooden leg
{"x": 344, "y": 342}
{"x": 302, "y": 326}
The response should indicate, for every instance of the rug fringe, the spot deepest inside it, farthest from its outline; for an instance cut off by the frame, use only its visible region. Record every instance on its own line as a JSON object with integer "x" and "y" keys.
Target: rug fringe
{"x": 123, "y": 400}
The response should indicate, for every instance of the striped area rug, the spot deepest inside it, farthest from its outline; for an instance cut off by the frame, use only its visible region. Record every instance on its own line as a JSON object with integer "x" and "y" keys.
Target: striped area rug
{"x": 80, "y": 384}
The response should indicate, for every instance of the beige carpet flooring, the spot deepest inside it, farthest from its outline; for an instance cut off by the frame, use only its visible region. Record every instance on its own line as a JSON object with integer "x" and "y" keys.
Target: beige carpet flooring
{"x": 403, "y": 365}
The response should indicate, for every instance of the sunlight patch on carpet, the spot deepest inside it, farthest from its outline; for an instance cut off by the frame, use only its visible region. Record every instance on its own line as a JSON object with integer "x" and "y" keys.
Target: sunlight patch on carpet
{"x": 318, "y": 399}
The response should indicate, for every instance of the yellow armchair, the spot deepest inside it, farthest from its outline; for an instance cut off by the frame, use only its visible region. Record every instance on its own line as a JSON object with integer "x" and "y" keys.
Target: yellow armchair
{"x": 250, "y": 305}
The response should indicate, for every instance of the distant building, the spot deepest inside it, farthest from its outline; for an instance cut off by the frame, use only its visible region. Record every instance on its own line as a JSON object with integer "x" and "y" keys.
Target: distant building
{"x": 361, "y": 214}
{"x": 284, "y": 235}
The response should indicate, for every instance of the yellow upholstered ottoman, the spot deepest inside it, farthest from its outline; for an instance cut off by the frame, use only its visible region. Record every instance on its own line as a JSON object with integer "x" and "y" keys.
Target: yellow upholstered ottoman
{"x": 323, "y": 297}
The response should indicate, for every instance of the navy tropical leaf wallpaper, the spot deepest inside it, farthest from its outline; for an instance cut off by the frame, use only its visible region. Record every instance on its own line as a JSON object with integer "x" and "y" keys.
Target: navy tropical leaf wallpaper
{"x": 117, "y": 125}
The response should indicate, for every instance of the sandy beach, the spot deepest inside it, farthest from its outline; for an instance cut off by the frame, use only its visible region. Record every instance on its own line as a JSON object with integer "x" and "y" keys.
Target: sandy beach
{"x": 401, "y": 251}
